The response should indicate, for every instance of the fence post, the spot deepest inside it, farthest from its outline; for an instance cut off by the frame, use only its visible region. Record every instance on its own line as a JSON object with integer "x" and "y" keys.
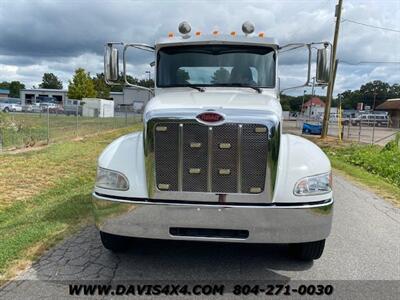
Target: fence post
{"x": 126, "y": 116}
{"x": 77, "y": 119}
{"x": 373, "y": 130}
{"x": 348, "y": 130}
{"x": 359, "y": 132}
{"x": 48, "y": 125}
{"x": 1, "y": 141}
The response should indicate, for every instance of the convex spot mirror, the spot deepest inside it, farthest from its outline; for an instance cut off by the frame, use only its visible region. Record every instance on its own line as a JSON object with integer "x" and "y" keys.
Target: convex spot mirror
{"x": 111, "y": 63}
{"x": 322, "y": 70}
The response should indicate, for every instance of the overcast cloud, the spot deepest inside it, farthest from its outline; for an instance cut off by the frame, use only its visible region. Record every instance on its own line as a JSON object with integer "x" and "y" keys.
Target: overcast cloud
{"x": 60, "y": 36}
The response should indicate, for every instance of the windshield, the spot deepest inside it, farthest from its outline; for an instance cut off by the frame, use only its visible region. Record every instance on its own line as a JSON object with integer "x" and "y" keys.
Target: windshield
{"x": 216, "y": 65}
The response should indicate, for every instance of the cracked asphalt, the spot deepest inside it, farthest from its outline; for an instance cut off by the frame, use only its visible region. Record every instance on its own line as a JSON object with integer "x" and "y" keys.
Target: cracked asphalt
{"x": 364, "y": 245}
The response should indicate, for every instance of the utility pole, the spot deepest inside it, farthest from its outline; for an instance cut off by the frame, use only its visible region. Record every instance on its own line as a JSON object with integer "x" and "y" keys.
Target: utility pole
{"x": 148, "y": 72}
{"x": 313, "y": 87}
{"x": 302, "y": 105}
{"x": 373, "y": 111}
{"x": 338, "y": 14}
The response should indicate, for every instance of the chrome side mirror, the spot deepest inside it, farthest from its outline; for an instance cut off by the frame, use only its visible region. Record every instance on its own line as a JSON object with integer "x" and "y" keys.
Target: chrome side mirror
{"x": 111, "y": 63}
{"x": 322, "y": 72}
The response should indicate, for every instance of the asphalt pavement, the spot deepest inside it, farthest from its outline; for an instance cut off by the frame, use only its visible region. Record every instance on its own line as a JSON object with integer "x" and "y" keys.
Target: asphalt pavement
{"x": 362, "y": 250}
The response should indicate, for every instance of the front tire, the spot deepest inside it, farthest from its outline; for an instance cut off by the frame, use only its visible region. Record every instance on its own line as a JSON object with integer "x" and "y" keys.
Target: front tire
{"x": 308, "y": 251}
{"x": 114, "y": 243}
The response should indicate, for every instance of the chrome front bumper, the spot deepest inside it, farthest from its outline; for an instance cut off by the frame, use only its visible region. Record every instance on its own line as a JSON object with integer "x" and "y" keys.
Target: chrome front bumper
{"x": 270, "y": 223}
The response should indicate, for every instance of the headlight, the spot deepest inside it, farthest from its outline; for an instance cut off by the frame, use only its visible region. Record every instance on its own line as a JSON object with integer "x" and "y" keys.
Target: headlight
{"x": 112, "y": 180}
{"x": 314, "y": 185}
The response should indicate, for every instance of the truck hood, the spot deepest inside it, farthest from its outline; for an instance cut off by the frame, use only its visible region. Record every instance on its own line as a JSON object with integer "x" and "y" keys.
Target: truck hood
{"x": 229, "y": 99}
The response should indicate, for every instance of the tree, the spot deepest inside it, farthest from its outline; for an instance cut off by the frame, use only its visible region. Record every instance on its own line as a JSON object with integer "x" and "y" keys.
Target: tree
{"x": 102, "y": 89}
{"x": 366, "y": 93}
{"x": 50, "y": 81}
{"x": 81, "y": 86}
{"x": 182, "y": 76}
{"x": 149, "y": 83}
{"x": 14, "y": 87}
{"x": 220, "y": 76}
{"x": 5, "y": 85}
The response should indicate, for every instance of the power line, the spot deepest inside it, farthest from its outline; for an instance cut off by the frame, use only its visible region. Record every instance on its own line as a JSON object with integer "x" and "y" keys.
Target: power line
{"x": 369, "y": 25}
{"x": 368, "y": 62}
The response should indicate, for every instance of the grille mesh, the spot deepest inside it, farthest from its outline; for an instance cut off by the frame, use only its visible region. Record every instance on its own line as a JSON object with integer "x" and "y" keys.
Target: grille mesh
{"x": 225, "y": 159}
{"x": 253, "y": 157}
{"x": 166, "y": 155}
{"x": 195, "y": 157}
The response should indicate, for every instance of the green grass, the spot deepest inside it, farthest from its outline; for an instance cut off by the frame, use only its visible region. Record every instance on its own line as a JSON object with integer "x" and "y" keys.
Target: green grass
{"x": 373, "y": 159}
{"x": 374, "y": 182}
{"x": 28, "y": 129}
{"x": 376, "y": 167}
{"x": 31, "y": 224}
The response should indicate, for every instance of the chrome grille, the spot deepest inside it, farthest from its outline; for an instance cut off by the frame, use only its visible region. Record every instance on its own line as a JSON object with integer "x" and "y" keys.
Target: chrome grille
{"x": 192, "y": 157}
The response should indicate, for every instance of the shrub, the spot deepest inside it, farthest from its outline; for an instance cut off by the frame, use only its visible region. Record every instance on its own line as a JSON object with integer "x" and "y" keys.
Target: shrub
{"x": 384, "y": 162}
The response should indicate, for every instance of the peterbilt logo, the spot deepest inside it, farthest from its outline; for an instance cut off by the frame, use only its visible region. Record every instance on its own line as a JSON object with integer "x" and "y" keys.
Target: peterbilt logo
{"x": 210, "y": 117}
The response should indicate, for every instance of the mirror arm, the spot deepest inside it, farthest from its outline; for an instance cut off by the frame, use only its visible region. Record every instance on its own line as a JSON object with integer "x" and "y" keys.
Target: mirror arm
{"x": 293, "y": 46}
{"x": 141, "y": 47}
{"x": 296, "y": 46}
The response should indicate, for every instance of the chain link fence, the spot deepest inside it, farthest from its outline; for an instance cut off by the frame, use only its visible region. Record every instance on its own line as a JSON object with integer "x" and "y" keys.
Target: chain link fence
{"x": 363, "y": 130}
{"x": 28, "y": 129}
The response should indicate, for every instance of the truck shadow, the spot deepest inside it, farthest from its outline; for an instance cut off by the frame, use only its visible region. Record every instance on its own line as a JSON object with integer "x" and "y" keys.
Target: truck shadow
{"x": 206, "y": 260}
{"x": 82, "y": 257}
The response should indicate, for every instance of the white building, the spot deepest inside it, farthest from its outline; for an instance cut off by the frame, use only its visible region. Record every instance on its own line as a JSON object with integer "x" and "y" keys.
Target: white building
{"x": 130, "y": 97}
{"x": 94, "y": 107}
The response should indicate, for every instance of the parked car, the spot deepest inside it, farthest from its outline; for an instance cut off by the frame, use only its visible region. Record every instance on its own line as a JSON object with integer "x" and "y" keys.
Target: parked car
{"x": 46, "y": 102}
{"x": 10, "y": 104}
{"x": 312, "y": 128}
{"x": 370, "y": 119}
{"x": 333, "y": 118}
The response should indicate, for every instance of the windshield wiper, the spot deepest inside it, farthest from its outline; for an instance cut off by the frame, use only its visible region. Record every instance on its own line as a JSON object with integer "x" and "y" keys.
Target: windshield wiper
{"x": 256, "y": 88}
{"x": 200, "y": 89}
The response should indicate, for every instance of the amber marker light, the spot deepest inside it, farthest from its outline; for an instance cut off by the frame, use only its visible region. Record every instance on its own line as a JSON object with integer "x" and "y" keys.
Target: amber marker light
{"x": 233, "y": 33}
{"x": 198, "y": 33}
{"x": 170, "y": 34}
{"x": 215, "y": 32}
{"x": 261, "y": 34}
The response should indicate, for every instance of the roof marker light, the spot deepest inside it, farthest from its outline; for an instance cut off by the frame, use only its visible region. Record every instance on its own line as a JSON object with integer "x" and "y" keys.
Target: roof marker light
{"x": 170, "y": 34}
{"x": 198, "y": 33}
{"x": 248, "y": 27}
{"x": 184, "y": 27}
{"x": 233, "y": 33}
{"x": 215, "y": 32}
{"x": 261, "y": 34}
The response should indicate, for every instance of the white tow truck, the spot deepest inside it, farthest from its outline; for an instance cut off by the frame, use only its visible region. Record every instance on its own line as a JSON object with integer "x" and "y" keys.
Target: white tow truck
{"x": 212, "y": 163}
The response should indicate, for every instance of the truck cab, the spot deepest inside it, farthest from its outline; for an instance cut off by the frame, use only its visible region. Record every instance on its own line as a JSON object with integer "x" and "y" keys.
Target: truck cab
{"x": 212, "y": 163}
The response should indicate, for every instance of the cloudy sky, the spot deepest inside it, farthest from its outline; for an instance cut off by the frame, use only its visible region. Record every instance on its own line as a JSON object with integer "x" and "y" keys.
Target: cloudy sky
{"x": 59, "y": 36}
